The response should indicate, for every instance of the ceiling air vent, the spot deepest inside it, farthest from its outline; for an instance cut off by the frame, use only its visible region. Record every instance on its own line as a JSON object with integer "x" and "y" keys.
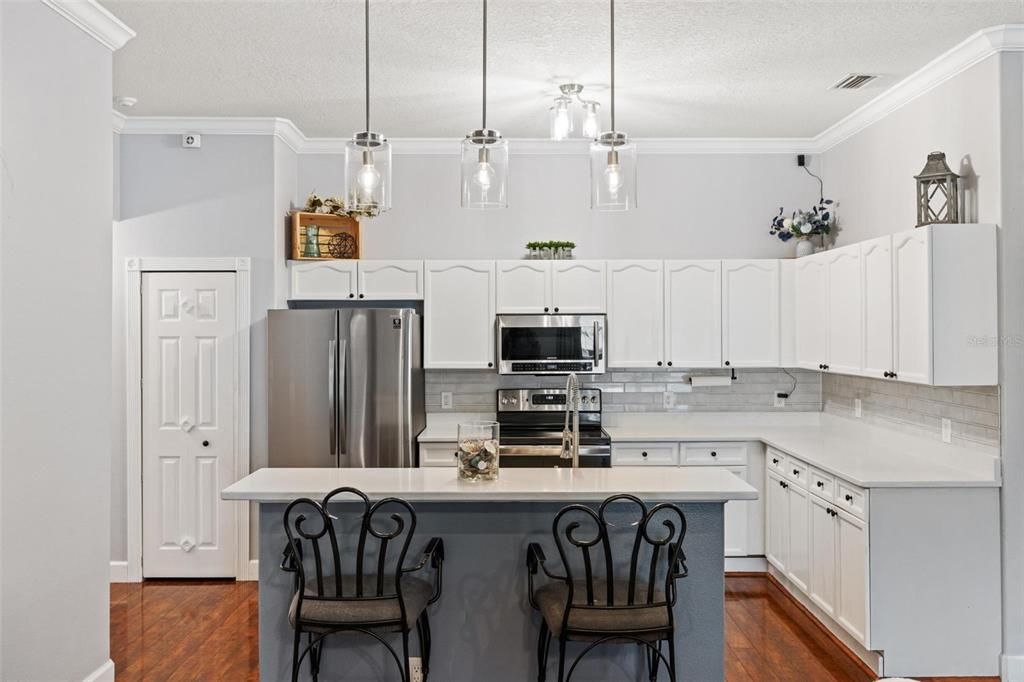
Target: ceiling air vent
{"x": 854, "y": 81}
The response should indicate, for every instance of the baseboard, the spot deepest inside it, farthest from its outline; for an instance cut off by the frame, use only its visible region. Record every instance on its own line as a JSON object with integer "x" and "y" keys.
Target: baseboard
{"x": 1012, "y": 669}
{"x": 745, "y": 564}
{"x": 104, "y": 673}
{"x": 119, "y": 572}
{"x": 254, "y": 570}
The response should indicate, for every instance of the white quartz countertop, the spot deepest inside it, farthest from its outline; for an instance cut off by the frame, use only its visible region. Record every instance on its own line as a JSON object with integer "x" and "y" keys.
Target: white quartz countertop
{"x": 441, "y": 484}
{"x": 864, "y": 454}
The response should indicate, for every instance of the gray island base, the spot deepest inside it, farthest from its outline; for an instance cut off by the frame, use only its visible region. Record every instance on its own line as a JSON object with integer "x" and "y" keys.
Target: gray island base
{"x": 483, "y": 628}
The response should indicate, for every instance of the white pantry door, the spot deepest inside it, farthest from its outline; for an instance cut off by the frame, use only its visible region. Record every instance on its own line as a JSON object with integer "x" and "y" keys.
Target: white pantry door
{"x": 188, "y": 423}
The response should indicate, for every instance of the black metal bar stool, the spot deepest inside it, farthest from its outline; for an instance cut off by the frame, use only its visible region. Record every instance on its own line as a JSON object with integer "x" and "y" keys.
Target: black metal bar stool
{"x": 351, "y": 577}
{"x": 629, "y": 600}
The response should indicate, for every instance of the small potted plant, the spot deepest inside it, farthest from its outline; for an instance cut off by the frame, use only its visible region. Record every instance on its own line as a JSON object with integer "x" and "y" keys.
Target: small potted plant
{"x": 803, "y": 226}
{"x": 550, "y": 250}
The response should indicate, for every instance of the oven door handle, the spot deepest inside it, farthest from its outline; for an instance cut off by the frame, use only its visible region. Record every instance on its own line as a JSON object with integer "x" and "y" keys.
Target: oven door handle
{"x": 550, "y": 450}
{"x": 598, "y": 348}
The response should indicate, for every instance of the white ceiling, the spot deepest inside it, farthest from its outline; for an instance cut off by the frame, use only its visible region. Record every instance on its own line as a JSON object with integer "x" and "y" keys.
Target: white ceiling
{"x": 711, "y": 68}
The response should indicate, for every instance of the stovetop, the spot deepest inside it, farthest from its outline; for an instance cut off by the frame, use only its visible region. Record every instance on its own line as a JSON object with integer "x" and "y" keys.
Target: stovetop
{"x": 537, "y": 416}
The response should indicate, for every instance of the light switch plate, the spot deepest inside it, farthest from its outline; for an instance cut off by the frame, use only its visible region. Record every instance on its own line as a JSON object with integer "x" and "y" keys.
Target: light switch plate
{"x": 446, "y": 400}
{"x": 858, "y": 408}
{"x": 947, "y": 430}
{"x": 780, "y": 401}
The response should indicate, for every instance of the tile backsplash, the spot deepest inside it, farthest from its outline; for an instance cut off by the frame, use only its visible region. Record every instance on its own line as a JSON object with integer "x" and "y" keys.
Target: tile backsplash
{"x": 640, "y": 391}
{"x": 973, "y": 410}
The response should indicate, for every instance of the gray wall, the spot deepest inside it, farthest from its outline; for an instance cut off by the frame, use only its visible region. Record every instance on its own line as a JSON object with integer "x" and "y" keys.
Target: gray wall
{"x": 639, "y": 391}
{"x": 55, "y": 316}
{"x": 975, "y": 118}
{"x": 218, "y": 200}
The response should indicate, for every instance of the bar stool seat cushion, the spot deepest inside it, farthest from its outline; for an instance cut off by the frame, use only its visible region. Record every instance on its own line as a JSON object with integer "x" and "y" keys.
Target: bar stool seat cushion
{"x": 350, "y": 610}
{"x": 600, "y": 618}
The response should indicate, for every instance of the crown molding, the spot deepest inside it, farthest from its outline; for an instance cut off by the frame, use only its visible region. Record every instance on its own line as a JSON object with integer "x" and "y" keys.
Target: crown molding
{"x": 119, "y": 121}
{"x": 95, "y": 20}
{"x": 973, "y": 50}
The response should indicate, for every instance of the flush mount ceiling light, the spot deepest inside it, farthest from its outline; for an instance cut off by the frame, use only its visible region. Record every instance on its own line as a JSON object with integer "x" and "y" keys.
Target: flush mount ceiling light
{"x": 368, "y": 155}
{"x": 612, "y": 157}
{"x": 484, "y": 157}
{"x": 564, "y": 115}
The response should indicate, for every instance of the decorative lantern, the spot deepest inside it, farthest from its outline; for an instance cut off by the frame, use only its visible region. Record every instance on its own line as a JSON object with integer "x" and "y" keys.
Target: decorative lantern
{"x": 938, "y": 192}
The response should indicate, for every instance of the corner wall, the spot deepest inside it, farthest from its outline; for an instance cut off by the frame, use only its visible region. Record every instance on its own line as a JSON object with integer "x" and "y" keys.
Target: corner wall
{"x": 55, "y": 388}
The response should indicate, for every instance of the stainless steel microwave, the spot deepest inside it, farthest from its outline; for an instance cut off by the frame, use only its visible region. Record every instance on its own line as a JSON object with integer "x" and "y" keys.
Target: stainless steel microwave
{"x": 551, "y": 344}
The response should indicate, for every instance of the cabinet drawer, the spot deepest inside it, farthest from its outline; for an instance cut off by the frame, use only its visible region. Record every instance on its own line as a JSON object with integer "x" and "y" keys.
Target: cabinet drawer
{"x": 645, "y": 454}
{"x": 713, "y": 453}
{"x": 776, "y": 461}
{"x": 822, "y": 484}
{"x": 797, "y": 472}
{"x": 852, "y": 499}
{"x": 438, "y": 454}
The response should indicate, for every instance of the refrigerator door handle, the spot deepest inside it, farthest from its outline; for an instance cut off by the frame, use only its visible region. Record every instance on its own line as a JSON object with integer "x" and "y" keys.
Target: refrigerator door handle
{"x": 340, "y": 405}
{"x": 332, "y": 361}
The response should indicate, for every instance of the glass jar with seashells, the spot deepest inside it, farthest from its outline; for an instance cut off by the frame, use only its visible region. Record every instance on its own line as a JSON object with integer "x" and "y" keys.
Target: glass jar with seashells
{"x": 478, "y": 451}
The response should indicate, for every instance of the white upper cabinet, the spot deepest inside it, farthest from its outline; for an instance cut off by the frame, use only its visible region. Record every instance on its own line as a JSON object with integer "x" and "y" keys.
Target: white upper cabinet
{"x": 912, "y": 353}
{"x": 524, "y": 286}
{"x": 394, "y": 280}
{"x": 810, "y": 311}
{"x": 693, "y": 313}
{"x": 845, "y": 339}
{"x": 635, "y": 314}
{"x": 458, "y": 313}
{"x": 391, "y": 280}
{"x": 323, "y": 279}
{"x": 876, "y": 298}
{"x": 578, "y": 286}
{"x": 750, "y": 313}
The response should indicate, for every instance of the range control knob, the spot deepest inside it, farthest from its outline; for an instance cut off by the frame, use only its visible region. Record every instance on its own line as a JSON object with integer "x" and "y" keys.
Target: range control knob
{"x": 504, "y": 401}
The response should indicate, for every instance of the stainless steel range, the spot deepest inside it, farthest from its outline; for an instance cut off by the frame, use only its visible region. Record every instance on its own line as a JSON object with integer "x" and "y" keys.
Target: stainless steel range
{"x": 532, "y": 420}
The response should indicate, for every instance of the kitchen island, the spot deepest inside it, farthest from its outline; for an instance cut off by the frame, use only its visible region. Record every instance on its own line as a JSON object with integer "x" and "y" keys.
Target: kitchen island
{"x": 483, "y": 627}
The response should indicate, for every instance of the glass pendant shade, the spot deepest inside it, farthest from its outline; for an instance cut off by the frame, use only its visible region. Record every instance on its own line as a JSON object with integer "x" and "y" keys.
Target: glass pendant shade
{"x": 591, "y": 123}
{"x": 484, "y": 170}
{"x": 561, "y": 119}
{"x": 612, "y": 173}
{"x": 368, "y": 173}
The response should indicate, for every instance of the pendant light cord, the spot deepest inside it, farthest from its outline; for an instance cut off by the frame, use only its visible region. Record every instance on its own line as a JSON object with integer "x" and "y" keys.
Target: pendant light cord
{"x": 366, "y": 20}
{"x": 612, "y": 4}
{"x": 484, "y": 124}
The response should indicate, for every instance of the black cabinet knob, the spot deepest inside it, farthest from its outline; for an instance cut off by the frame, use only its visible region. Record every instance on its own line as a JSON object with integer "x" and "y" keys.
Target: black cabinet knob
{"x": 849, "y": 498}
{"x": 659, "y": 363}
{"x": 821, "y": 366}
{"x": 490, "y": 364}
{"x": 714, "y": 454}
{"x": 820, "y": 484}
{"x": 726, "y": 363}
{"x": 206, "y": 443}
{"x": 775, "y": 460}
{"x": 351, "y": 295}
{"x": 362, "y": 295}
{"x": 894, "y": 375}
{"x": 546, "y": 309}
{"x": 643, "y": 454}
{"x": 669, "y": 363}
{"x": 556, "y": 309}
{"x": 796, "y": 472}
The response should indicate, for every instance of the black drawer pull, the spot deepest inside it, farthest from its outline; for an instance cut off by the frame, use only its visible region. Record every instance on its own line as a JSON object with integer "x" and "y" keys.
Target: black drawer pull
{"x": 643, "y": 454}
{"x": 796, "y": 472}
{"x": 775, "y": 460}
{"x": 849, "y": 498}
{"x": 206, "y": 443}
{"x": 714, "y": 454}
{"x": 820, "y": 484}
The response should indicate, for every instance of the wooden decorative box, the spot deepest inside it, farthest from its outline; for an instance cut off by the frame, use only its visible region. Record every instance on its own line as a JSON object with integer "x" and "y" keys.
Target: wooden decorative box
{"x": 337, "y": 236}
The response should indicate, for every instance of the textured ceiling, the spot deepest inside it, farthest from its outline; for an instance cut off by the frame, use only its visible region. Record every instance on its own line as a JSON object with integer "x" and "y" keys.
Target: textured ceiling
{"x": 715, "y": 68}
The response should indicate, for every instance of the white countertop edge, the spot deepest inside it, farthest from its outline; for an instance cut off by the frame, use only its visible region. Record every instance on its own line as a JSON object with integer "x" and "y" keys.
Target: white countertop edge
{"x": 704, "y": 497}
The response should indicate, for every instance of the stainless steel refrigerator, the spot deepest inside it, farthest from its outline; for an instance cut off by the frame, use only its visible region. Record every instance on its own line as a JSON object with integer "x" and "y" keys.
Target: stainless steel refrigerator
{"x": 346, "y": 387}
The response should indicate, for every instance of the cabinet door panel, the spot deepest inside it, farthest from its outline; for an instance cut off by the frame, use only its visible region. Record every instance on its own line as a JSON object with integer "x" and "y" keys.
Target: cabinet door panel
{"x": 852, "y": 561}
{"x": 323, "y": 280}
{"x": 524, "y": 286}
{"x": 693, "y": 313}
{"x": 776, "y": 522}
{"x": 822, "y": 585}
{"x": 876, "y": 269}
{"x": 844, "y": 310}
{"x": 635, "y": 314}
{"x": 578, "y": 286}
{"x": 750, "y": 313}
{"x": 391, "y": 280}
{"x": 736, "y": 514}
{"x": 912, "y": 319}
{"x": 798, "y": 565}
{"x": 811, "y": 311}
{"x": 459, "y": 315}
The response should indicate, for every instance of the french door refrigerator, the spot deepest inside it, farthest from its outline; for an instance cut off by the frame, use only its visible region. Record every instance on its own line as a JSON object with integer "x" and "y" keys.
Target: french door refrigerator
{"x": 345, "y": 387}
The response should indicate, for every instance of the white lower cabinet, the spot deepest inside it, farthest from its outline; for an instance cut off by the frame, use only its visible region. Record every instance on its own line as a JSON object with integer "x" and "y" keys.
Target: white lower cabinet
{"x": 798, "y": 564}
{"x": 438, "y": 454}
{"x": 737, "y": 514}
{"x": 852, "y": 569}
{"x": 776, "y": 521}
{"x": 822, "y": 586}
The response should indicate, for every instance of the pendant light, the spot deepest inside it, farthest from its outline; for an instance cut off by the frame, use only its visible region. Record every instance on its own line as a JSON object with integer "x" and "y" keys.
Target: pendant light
{"x": 612, "y": 157}
{"x": 484, "y": 157}
{"x": 368, "y": 156}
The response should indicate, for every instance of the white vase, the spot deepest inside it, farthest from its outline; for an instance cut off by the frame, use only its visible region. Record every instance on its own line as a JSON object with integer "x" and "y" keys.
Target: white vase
{"x": 804, "y": 247}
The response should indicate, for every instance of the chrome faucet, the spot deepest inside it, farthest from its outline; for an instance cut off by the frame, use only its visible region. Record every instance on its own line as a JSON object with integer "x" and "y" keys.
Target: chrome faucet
{"x": 571, "y": 439}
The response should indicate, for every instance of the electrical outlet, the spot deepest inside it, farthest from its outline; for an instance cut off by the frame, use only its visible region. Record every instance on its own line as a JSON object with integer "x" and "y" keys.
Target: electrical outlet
{"x": 668, "y": 400}
{"x": 415, "y": 669}
{"x": 446, "y": 400}
{"x": 947, "y": 430}
{"x": 858, "y": 408}
{"x": 780, "y": 401}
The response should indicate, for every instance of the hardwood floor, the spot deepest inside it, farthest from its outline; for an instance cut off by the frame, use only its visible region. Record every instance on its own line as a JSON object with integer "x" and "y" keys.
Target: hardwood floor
{"x": 207, "y": 630}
